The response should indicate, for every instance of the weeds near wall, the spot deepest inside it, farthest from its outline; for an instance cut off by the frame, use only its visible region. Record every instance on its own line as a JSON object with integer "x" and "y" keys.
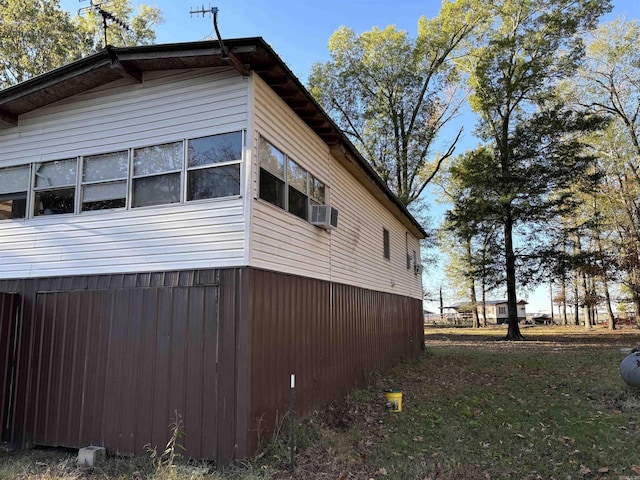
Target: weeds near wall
{"x": 165, "y": 462}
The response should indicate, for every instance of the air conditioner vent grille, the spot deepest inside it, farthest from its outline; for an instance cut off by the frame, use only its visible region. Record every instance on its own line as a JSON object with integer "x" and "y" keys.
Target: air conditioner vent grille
{"x": 324, "y": 216}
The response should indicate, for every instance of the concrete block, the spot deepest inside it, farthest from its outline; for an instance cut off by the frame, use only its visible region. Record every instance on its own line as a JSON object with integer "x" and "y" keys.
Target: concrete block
{"x": 89, "y": 456}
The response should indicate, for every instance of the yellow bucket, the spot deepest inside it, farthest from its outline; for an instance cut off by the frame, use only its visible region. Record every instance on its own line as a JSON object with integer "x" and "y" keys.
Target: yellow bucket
{"x": 394, "y": 400}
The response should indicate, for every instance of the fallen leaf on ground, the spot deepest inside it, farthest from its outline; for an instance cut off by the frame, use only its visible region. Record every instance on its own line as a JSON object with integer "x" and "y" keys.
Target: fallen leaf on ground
{"x": 381, "y": 471}
{"x": 603, "y": 470}
{"x": 636, "y": 469}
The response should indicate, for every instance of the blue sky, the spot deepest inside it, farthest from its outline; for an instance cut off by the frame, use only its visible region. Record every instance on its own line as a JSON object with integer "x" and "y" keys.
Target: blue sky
{"x": 299, "y": 31}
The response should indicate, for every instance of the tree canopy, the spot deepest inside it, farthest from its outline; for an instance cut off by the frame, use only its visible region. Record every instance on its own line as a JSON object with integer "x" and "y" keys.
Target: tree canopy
{"x": 392, "y": 95}
{"x": 37, "y": 35}
{"x": 533, "y": 140}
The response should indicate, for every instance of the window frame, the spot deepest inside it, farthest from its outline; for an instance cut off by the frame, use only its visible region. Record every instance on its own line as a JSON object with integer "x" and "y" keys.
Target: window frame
{"x": 79, "y": 184}
{"x": 157, "y": 175}
{"x": 82, "y": 183}
{"x": 386, "y": 244}
{"x": 310, "y": 199}
{"x": 214, "y": 165}
{"x": 11, "y": 196}
{"x": 35, "y": 189}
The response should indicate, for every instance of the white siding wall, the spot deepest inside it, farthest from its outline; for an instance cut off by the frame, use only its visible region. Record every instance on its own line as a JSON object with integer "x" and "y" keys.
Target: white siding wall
{"x": 167, "y": 106}
{"x": 351, "y": 254}
{"x": 281, "y": 241}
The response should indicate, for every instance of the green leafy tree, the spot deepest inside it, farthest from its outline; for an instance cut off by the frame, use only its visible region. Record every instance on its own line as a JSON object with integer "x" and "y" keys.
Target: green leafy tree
{"x": 37, "y": 35}
{"x": 609, "y": 83}
{"x": 469, "y": 240}
{"x": 532, "y": 138}
{"x": 392, "y": 95}
{"x": 139, "y": 29}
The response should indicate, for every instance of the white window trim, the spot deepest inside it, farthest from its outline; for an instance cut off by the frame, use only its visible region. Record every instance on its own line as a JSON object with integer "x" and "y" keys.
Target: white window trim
{"x": 183, "y": 171}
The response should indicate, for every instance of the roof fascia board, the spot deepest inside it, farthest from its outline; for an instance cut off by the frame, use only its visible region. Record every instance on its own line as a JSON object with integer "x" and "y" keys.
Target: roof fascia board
{"x": 133, "y": 53}
{"x": 42, "y": 82}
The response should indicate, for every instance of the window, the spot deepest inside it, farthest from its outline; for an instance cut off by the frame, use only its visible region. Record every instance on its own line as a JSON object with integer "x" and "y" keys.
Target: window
{"x": 104, "y": 181}
{"x": 386, "y": 244}
{"x": 271, "y": 173}
{"x": 502, "y": 310}
{"x": 285, "y": 184}
{"x": 175, "y": 172}
{"x": 316, "y": 191}
{"x": 156, "y": 174}
{"x": 14, "y": 186}
{"x": 55, "y": 187}
{"x": 298, "y": 203}
{"x": 213, "y": 166}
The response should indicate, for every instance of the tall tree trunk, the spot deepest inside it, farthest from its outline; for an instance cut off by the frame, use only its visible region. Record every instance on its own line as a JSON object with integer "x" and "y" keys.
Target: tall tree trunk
{"x": 563, "y": 279}
{"x": 635, "y": 290}
{"x": 587, "y": 307}
{"x": 576, "y": 298}
{"x": 564, "y": 300}
{"x": 551, "y": 299}
{"x": 474, "y": 305}
{"x": 576, "y": 283}
{"x": 513, "y": 331}
{"x": 636, "y": 303}
{"x": 611, "y": 321}
{"x": 472, "y": 287}
{"x": 484, "y": 302}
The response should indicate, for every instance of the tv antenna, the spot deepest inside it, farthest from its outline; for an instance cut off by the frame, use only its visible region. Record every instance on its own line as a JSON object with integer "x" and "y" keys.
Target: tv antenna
{"x": 225, "y": 54}
{"x": 98, "y": 7}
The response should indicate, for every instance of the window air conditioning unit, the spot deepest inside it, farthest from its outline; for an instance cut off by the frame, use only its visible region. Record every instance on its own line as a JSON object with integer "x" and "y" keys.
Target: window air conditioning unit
{"x": 324, "y": 216}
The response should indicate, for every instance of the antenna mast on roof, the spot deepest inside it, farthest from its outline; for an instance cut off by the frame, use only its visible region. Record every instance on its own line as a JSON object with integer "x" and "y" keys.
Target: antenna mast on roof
{"x": 225, "y": 54}
{"x": 213, "y": 11}
{"x": 105, "y": 16}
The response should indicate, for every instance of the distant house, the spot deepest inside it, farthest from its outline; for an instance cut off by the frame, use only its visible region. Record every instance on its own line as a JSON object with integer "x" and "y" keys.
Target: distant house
{"x": 496, "y": 311}
{"x": 183, "y": 228}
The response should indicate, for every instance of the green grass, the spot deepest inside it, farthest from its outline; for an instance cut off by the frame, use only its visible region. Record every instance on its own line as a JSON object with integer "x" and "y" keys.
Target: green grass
{"x": 552, "y": 407}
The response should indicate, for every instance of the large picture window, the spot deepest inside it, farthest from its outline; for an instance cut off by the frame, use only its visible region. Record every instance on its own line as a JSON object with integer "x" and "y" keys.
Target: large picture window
{"x": 285, "y": 184}
{"x": 14, "y": 187}
{"x": 213, "y": 166}
{"x": 55, "y": 187}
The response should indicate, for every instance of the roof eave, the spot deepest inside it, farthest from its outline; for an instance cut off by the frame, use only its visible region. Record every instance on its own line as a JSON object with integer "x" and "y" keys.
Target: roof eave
{"x": 250, "y": 54}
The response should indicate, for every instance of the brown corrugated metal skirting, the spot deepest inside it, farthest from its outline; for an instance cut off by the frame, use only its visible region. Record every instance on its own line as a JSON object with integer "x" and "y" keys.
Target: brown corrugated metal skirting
{"x": 109, "y": 359}
{"x": 329, "y": 335}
